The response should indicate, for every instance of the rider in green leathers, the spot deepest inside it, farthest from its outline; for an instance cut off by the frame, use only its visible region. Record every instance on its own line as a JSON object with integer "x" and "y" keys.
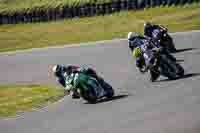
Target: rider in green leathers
{"x": 83, "y": 82}
{"x": 74, "y": 77}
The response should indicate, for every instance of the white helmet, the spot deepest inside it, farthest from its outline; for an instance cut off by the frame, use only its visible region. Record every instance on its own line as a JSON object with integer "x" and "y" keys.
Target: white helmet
{"x": 131, "y": 35}
{"x": 57, "y": 68}
{"x": 54, "y": 69}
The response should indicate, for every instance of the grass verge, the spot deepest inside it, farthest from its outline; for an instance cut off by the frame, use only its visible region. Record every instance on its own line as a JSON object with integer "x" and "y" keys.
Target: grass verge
{"x": 34, "y": 35}
{"x": 11, "y": 6}
{"x": 14, "y": 98}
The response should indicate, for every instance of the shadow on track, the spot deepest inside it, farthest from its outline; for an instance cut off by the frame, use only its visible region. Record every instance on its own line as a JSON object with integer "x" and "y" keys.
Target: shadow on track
{"x": 180, "y": 60}
{"x": 189, "y": 75}
{"x": 110, "y": 99}
{"x": 185, "y": 49}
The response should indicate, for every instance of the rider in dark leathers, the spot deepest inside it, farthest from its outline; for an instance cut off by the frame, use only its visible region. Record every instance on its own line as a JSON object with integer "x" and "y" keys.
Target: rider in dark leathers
{"x": 154, "y": 32}
{"x": 149, "y": 28}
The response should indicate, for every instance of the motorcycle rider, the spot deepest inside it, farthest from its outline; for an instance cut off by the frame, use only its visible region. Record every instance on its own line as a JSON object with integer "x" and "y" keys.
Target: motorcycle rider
{"x": 148, "y": 31}
{"x": 154, "y": 31}
{"x": 141, "y": 49}
{"x": 82, "y": 81}
{"x": 65, "y": 78}
{"x": 144, "y": 62}
{"x": 135, "y": 40}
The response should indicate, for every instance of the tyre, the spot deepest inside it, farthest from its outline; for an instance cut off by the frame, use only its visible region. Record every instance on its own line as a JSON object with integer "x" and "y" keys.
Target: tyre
{"x": 110, "y": 93}
{"x": 86, "y": 95}
{"x": 108, "y": 89}
{"x": 154, "y": 75}
{"x": 170, "y": 75}
{"x": 180, "y": 70}
{"x": 167, "y": 70}
{"x": 168, "y": 54}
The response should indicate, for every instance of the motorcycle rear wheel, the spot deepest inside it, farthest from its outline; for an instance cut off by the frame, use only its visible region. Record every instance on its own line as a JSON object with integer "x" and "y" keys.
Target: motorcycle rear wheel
{"x": 109, "y": 90}
{"x": 180, "y": 70}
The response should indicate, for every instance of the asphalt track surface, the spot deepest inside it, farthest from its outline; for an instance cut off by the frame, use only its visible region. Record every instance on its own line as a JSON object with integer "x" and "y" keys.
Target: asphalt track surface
{"x": 139, "y": 106}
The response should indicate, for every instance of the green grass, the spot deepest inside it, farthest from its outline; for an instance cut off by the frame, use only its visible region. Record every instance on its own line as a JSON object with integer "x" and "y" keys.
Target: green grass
{"x": 117, "y": 25}
{"x": 20, "y": 5}
{"x": 15, "y": 98}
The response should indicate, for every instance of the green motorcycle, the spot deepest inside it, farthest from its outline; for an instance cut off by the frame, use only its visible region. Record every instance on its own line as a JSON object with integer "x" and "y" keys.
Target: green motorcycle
{"x": 91, "y": 89}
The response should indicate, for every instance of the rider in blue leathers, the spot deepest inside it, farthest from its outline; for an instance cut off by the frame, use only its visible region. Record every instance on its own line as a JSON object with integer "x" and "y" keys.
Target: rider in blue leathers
{"x": 145, "y": 45}
{"x": 135, "y": 40}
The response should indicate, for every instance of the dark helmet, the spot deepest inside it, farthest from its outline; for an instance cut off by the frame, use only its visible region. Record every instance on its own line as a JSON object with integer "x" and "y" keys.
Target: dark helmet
{"x": 147, "y": 24}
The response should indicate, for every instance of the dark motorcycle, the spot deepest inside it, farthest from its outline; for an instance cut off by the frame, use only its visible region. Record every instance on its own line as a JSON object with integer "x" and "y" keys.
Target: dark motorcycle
{"x": 163, "y": 65}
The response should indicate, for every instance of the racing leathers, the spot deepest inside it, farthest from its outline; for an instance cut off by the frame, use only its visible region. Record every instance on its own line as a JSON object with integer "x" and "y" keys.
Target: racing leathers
{"x": 65, "y": 71}
{"x": 154, "y": 32}
{"x": 137, "y": 41}
{"x": 146, "y": 45}
{"x": 82, "y": 81}
{"x": 144, "y": 60}
{"x": 149, "y": 29}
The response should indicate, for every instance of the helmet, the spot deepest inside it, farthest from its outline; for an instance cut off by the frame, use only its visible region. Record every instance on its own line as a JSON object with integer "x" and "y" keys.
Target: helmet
{"x": 147, "y": 24}
{"x": 137, "y": 52}
{"x": 131, "y": 35}
{"x": 57, "y": 69}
